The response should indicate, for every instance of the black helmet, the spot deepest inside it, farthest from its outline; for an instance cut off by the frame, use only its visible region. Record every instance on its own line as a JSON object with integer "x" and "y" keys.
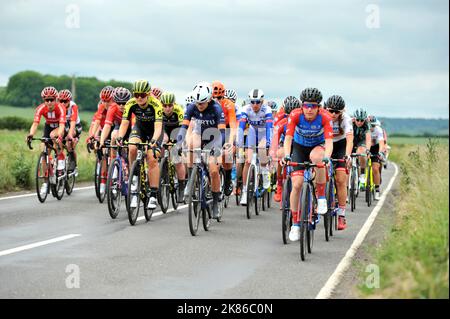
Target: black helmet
{"x": 311, "y": 95}
{"x": 360, "y": 114}
{"x": 290, "y": 103}
{"x": 335, "y": 102}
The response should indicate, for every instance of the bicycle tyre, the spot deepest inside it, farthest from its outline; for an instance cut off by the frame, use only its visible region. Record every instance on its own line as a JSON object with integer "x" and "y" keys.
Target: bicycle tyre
{"x": 39, "y": 171}
{"x": 194, "y": 205}
{"x": 250, "y": 191}
{"x": 286, "y": 219}
{"x": 164, "y": 186}
{"x": 112, "y": 200}
{"x": 133, "y": 213}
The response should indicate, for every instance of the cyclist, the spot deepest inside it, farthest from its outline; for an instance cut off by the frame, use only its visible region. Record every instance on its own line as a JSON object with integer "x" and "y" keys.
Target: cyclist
{"x": 342, "y": 149}
{"x": 259, "y": 117}
{"x": 229, "y": 111}
{"x": 310, "y": 128}
{"x": 173, "y": 115}
{"x": 208, "y": 116}
{"x": 274, "y": 107}
{"x": 147, "y": 128}
{"x": 55, "y": 120}
{"x": 156, "y": 92}
{"x": 377, "y": 148}
{"x": 361, "y": 142}
{"x": 114, "y": 118}
{"x": 73, "y": 125}
{"x": 289, "y": 104}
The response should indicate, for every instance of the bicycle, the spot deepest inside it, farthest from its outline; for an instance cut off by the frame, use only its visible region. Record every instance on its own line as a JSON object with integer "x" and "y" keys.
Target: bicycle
{"x": 138, "y": 184}
{"x": 238, "y": 190}
{"x": 255, "y": 189}
{"x": 168, "y": 184}
{"x": 47, "y": 173}
{"x": 225, "y": 198}
{"x": 370, "y": 185}
{"x": 354, "y": 180}
{"x": 199, "y": 193}
{"x": 98, "y": 177}
{"x": 307, "y": 208}
{"x": 286, "y": 214}
{"x": 117, "y": 181}
{"x": 331, "y": 217}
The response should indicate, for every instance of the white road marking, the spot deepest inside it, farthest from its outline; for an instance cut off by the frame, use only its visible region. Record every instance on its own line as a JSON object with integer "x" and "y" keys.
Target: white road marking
{"x": 38, "y": 244}
{"x": 34, "y": 193}
{"x": 327, "y": 290}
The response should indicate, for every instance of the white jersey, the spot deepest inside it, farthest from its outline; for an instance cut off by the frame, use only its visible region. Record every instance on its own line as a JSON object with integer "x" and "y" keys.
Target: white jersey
{"x": 256, "y": 119}
{"x": 377, "y": 135}
{"x": 69, "y": 111}
{"x": 346, "y": 126}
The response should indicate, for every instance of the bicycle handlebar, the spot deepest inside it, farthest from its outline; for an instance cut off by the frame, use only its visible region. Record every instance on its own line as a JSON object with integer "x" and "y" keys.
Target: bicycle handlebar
{"x": 42, "y": 139}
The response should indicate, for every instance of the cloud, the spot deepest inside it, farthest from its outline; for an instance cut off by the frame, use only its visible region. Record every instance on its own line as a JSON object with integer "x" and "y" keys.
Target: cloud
{"x": 280, "y": 46}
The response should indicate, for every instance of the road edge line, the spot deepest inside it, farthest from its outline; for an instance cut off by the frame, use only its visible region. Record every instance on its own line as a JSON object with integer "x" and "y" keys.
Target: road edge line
{"x": 332, "y": 282}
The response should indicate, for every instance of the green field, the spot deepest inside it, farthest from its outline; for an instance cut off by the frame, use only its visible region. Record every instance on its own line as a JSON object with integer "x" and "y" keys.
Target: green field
{"x": 414, "y": 140}
{"x": 28, "y": 113}
{"x": 413, "y": 259}
{"x": 18, "y": 163}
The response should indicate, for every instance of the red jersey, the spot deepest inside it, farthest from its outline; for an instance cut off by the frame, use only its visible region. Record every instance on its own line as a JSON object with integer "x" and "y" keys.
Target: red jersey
{"x": 310, "y": 133}
{"x": 102, "y": 110}
{"x": 114, "y": 115}
{"x": 280, "y": 115}
{"x": 52, "y": 118}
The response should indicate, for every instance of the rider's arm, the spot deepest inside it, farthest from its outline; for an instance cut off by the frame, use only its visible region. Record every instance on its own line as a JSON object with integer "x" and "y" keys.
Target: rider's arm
{"x": 126, "y": 117}
{"x": 220, "y": 118}
{"x": 158, "y": 120}
{"x": 36, "y": 120}
{"x": 62, "y": 120}
{"x": 73, "y": 120}
{"x": 328, "y": 147}
{"x": 232, "y": 121}
{"x": 292, "y": 124}
{"x": 242, "y": 124}
{"x": 105, "y": 133}
{"x": 185, "y": 124}
{"x": 328, "y": 133}
{"x": 349, "y": 136}
{"x": 269, "y": 125}
{"x": 368, "y": 140}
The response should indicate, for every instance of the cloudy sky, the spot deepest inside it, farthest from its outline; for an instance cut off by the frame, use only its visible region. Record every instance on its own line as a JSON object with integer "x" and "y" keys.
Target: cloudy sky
{"x": 390, "y": 56}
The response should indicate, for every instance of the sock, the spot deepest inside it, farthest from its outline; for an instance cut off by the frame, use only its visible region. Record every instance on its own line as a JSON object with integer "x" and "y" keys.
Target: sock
{"x": 153, "y": 191}
{"x": 377, "y": 188}
{"x": 320, "y": 189}
{"x": 228, "y": 175}
{"x": 244, "y": 188}
{"x": 295, "y": 220}
{"x": 342, "y": 210}
{"x": 280, "y": 182}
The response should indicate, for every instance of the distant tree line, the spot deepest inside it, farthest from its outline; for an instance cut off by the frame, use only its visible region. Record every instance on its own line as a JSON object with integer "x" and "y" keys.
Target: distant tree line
{"x": 24, "y": 89}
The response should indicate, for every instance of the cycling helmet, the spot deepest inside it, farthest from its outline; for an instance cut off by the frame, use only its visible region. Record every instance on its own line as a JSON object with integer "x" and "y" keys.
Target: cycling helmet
{"x": 372, "y": 120}
{"x": 121, "y": 95}
{"x": 231, "y": 95}
{"x": 202, "y": 92}
{"x": 157, "y": 92}
{"x": 189, "y": 99}
{"x": 218, "y": 89}
{"x": 141, "y": 86}
{"x": 335, "y": 102}
{"x": 256, "y": 94}
{"x": 49, "y": 92}
{"x": 290, "y": 103}
{"x": 311, "y": 95}
{"x": 106, "y": 93}
{"x": 360, "y": 114}
{"x": 167, "y": 98}
{"x": 273, "y": 105}
{"x": 65, "y": 95}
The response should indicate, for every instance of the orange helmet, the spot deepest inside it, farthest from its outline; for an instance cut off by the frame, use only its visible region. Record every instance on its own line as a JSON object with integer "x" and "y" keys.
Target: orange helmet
{"x": 218, "y": 89}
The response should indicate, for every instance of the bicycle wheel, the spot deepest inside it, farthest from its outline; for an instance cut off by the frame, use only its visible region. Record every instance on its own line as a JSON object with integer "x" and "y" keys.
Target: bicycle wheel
{"x": 42, "y": 177}
{"x": 353, "y": 180}
{"x": 58, "y": 188}
{"x": 259, "y": 194}
{"x": 286, "y": 220}
{"x": 103, "y": 166}
{"x": 114, "y": 189}
{"x": 368, "y": 191}
{"x": 164, "y": 185}
{"x": 134, "y": 189}
{"x": 331, "y": 204}
{"x": 303, "y": 223}
{"x": 70, "y": 181}
{"x": 194, "y": 204}
{"x": 250, "y": 191}
{"x": 148, "y": 213}
{"x": 269, "y": 197}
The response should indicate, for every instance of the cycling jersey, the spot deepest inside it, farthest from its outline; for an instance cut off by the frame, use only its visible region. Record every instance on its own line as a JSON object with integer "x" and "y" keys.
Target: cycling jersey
{"x": 377, "y": 135}
{"x": 359, "y": 134}
{"x": 174, "y": 120}
{"x": 229, "y": 111}
{"x": 52, "y": 118}
{"x": 257, "y": 121}
{"x": 114, "y": 116}
{"x": 340, "y": 131}
{"x": 280, "y": 115}
{"x": 72, "y": 113}
{"x": 148, "y": 114}
{"x": 310, "y": 133}
{"x": 211, "y": 117}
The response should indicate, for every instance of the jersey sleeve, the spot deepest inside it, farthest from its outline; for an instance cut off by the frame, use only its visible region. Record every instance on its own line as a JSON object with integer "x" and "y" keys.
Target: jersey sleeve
{"x": 99, "y": 113}
{"x": 180, "y": 113}
{"x": 292, "y": 122}
{"x": 62, "y": 114}
{"x": 348, "y": 125}
{"x": 158, "y": 110}
{"x": 327, "y": 123}
{"x": 74, "y": 115}
{"x": 38, "y": 113}
{"x": 231, "y": 111}
{"x": 110, "y": 116}
{"x": 127, "y": 111}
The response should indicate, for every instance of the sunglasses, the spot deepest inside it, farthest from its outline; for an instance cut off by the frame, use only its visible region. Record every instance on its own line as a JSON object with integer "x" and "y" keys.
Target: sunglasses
{"x": 255, "y": 102}
{"x": 219, "y": 97}
{"x": 334, "y": 111}
{"x": 358, "y": 120}
{"x": 49, "y": 100}
{"x": 63, "y": 101}
{"x": 310, "y": 105}
{"x": 167, "y": 105}
{"x": 140, "y": 95}
{"x": 121, "y": 103}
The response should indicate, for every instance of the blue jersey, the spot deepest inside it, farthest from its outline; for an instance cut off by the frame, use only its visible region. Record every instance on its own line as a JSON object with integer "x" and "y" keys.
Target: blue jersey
{"x": 257, "y": 120}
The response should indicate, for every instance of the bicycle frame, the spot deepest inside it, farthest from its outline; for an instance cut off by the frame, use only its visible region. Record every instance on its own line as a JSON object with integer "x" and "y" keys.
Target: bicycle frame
{"x": 201, "y": 161}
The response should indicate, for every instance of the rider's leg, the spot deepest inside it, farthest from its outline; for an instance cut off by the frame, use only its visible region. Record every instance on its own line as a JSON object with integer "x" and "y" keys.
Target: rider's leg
{"x": 316, "y": 157}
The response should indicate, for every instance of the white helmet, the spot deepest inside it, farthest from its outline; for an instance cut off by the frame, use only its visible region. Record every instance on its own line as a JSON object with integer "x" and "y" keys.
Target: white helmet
{"x": 255, "y": 94}
{"x": 202, "y": 92}
{"x": 189, "y": 99}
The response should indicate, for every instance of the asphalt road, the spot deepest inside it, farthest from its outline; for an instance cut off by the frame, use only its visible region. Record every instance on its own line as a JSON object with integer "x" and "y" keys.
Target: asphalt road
{"x": 105, "y": 258}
